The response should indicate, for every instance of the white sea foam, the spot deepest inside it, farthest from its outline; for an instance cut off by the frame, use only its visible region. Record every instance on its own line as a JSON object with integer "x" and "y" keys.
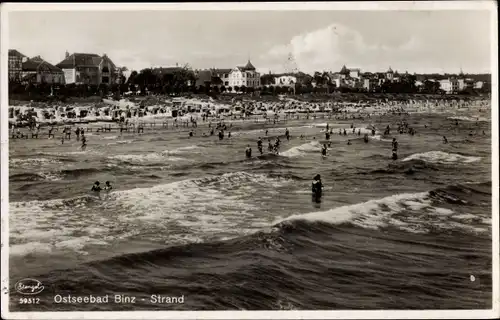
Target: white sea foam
{"x": 109, "y": 137}
{"x": 166, "y": 155}
{"x": 409, "y": 212}
{"x": 379, "y": 138}
{"x": 442, "y": 157}
{"x": 174, "y": 213}
{"x": 147, "y": 157}
{"x": 472, "y": 119}
{"x": 309, "y": 147}
{"x": 33, "y": 162}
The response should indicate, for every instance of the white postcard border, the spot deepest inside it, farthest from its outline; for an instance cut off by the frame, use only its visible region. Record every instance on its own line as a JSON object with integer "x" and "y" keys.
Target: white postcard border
{"x": 344, "y": 314}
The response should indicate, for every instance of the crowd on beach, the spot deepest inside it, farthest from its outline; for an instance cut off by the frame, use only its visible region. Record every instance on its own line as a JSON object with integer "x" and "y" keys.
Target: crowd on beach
{"x": 222, "y": 125}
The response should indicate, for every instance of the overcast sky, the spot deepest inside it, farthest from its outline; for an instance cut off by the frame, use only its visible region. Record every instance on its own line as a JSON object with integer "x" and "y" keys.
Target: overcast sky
{"x": 416, "y": 41}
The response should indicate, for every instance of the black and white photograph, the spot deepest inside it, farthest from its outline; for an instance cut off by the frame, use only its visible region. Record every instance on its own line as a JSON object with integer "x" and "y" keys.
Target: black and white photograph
{"x": 257, "y": 160}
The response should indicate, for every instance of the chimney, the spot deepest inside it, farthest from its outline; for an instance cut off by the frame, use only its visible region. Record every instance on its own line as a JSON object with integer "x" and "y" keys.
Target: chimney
{"x": 67, "y": 54}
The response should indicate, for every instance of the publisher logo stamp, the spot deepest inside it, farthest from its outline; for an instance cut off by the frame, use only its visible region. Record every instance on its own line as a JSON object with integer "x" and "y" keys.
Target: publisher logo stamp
{"x": 29, "y": 286}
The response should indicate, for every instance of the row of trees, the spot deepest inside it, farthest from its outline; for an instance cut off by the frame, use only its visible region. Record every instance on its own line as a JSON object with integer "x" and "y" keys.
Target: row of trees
{"x": 179, "y": 80}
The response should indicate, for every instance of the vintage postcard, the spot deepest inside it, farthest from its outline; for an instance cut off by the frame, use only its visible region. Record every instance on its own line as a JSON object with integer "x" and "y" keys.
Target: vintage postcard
{"x": 250, "y": 160}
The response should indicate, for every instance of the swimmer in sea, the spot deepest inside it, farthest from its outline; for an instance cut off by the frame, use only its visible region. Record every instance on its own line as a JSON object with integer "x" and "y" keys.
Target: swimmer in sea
{"x": 323, "y": 150}
{"x": 107, "y": 188}
{"x": 259, "y": 145}
{"x": 270, "y": 146}
{"x": 96, "y": 188}
{"x": 349, "y": 142}
{"x": 445, "y": 141}
{"x": 50, "y": 131}
{"x": 287, "y": 134}
{"x": 248, "y": 152}
{"x": 394, "y": 145}
{"x": 317, "y": 188}
{"x": 277, "y": 146}
{"x": 84, "y": 142}
{"x": 394, "y": 155}
{"x": 190, "y": 133}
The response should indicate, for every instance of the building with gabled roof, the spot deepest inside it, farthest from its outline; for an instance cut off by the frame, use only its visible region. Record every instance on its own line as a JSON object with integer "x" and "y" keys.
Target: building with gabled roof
{"x": 246, "y": 76}
{"x": 15, "y": 67}
{"x": 40, "y": 71}
{"x": 88, "y": 68}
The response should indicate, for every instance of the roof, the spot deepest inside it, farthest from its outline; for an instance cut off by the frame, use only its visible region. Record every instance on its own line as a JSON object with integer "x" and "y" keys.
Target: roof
{"x": 34, "y": 63}
{"x": 79, "y": 60}
{"x": 355, "y": 69}
{"x": 390, "y": 70}
{"x": 249, "y": 66}
{"x": 83, "y": 60}
{"x": 221, "y": 71}
{"x": 14, "y": 52}
{"x": 344, "y": 70}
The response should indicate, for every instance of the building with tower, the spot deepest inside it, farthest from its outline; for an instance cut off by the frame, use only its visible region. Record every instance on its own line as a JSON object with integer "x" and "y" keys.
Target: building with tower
{"x": 246, "y": 76}
{"x": 389, "y": 75}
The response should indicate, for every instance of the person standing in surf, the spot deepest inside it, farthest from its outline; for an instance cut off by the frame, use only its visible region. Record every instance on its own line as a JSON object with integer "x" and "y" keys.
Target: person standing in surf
{"x": 96, "y": 188}
{"x": 84, "y": 142}
{"x": 394, "y": 144}
{"x": 394, "y": 149}
{"x": 270, "y": 145}
{"x": 323, "y": 151}
{"x": 277, "y": 146}
{"x": 317, "y": 189}
{"x": 259, "y": 145}
{"x": 107, "y": 188}
{"x": 248, "y": 152}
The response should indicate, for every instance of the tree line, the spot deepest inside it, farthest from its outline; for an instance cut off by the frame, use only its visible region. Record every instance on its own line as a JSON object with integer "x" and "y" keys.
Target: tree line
{"x": 180, "y": 80}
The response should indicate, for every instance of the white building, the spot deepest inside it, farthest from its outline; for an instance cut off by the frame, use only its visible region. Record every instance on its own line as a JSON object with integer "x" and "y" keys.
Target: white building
{"x": 244, "y": 76}
{"x": 478, "y": 85}
{"x": 285, "y": 81}
{"x": 449, "y": 85}
{"x": 354, "y": 73}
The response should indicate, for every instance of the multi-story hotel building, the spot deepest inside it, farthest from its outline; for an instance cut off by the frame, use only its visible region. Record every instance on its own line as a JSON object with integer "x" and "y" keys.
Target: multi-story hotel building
{"x": 244, "y": 76}
{"x": 88, "y": 68}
